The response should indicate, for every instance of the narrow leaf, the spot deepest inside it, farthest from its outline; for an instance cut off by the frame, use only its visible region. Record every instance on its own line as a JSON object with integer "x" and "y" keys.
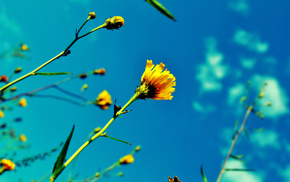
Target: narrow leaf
{"x": 60, "y": 159}
{"x": 247, "y": 134}
{"x": 238, "y": 157}
{"x": 105, "y": 135}
{"x": 160, "y": 8}
{"x": 239, "y": 170}
{"x": 52, "y": 74}
{"x": 202, "y": 174}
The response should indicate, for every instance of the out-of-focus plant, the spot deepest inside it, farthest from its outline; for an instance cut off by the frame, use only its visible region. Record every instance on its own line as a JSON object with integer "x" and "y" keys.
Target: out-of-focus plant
{"x": 250, "y": 108}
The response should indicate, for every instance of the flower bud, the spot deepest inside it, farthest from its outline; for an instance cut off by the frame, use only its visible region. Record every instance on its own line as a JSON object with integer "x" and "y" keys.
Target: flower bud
{"x": 18, "y": 70}
{"x": 115, "y": 22}
{"x": 92, "y": 15}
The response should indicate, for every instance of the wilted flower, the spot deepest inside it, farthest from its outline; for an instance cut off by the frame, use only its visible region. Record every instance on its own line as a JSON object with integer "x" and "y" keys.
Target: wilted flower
{"x": 7, "y": 164}
{"x": 4, "y": 78}
{"x": 1, "y": 114}
{"x": 114, "y": 22}
{"x": 18, "y": 70}
{"x": 99, "y": 71}
{"x": 156, "y": 83}
{"x": 13, "y": 89}
{"x": 103, "y": 100}
{"x": 83, "y": 76}
{"x": 127, "y": 159}
{"x": 22, "y": 138}
{"x": 22, "y": 102}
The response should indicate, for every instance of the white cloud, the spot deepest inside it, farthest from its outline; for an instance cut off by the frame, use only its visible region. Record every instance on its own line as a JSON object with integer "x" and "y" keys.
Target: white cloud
{"x": 266, "y": 138}
{"x": 235, "y": 93}
{"x": 9, "y": 24}
{"x": 240, "y": 176}
{"x": 210, "y": 73}
{"x": 251, "y": 41}
{"x": 285, "y": 173}
{"x": 248, "y": 63}
{"x": 202, "y": 108}
{"x": 240, "y": 6}
{"x": 274, "y": 94}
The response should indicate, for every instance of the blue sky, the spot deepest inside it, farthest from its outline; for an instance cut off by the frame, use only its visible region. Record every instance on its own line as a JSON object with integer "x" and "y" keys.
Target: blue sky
{"x": 213, "y": 49}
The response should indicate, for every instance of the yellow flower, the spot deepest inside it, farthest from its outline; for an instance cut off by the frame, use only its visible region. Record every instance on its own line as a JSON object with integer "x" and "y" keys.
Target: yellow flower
{"x": 22, "y": 102}
{"x": 24, "y": 47}
{"x": 84, "y": 87}
{"x": 127, "y": 159}
{"x": 92, "y": 15}
{"x": 156, "y": 83}
{"x": 114, "y": 22}
{"x": 7, "y": 164}
{"x": 1, "y": 114}
{"x": 103, "y": 100}
{"x": 22, "y": 138}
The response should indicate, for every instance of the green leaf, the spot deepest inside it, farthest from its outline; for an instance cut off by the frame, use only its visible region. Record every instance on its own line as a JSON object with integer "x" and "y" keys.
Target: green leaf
{"x": 202, "y": 174}
{"x": 58, "y": 166}
{"x": 160, "y": 8}
{"x": 105, "y": 135}
{"x": 238, "y": 157}
{"x": 52, "y": 74}
{"x": 241, "y": 170}
{"x": 247, "y": 134}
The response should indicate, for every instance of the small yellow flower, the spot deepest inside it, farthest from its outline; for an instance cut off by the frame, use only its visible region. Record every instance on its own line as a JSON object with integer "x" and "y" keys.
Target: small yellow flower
{"x": 156, "y": 83}
{"x": 22, "y": 138}
{"x": 1, "y": 114}
{"x": 84, "y": 87}
{"x": 24, "y": 47}
{"x": 103, "y": 100}
{"x": 22, "y": 102}
{"x": 127, "y": 159}
{"x": 92, "y": 15}
{"x": 137, "y": 148}
{"x": 7, "y": 164}
{"x": 114, "y": 22}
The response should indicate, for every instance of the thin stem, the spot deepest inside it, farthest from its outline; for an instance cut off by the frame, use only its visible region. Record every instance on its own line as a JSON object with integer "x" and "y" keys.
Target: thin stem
{"x": 65, "y": 52}
{"x": 234, "y": 141}
{"x": 135, "y": 97}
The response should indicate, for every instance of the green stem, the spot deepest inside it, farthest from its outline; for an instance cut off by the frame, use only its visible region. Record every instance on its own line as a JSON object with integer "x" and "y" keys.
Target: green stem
{"x": 234, "y": 141}
{"x": 51, "y": 60}
{"x": 135, "y": 97}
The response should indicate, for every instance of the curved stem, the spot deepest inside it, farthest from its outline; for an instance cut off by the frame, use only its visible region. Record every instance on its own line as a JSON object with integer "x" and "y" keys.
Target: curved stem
{"x": 135, "y": 97}
{"x": 234, "y": 141}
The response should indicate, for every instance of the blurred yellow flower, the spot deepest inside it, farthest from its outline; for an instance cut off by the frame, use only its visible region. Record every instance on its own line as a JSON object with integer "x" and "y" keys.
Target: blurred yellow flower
{"x": 127, "y": 159}
{"x": 7, "y": 164}
{"x": 103, "y": 100}
{"x": 156, "y": 83}
{"x": 24, "y": 47}
{"x": 84, "y": 87}
{"x": 1, "y": 114}
{"x": 22, "y": 102}
{"x": 22, "y": 138}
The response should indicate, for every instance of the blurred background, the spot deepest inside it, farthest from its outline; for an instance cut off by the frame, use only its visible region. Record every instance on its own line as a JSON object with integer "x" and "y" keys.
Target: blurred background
{"x": 213, "y": 49}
